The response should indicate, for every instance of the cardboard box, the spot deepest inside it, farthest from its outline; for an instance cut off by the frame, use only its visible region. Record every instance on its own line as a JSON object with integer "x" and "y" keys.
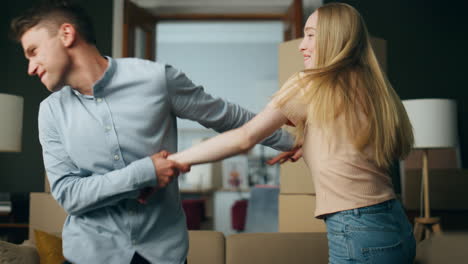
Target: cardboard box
{"x": 46, "y": 183}
{"x": 296, "y": 214}
{"x": 380, "y": 49}
{"x": 45, "y": 214}
{"x": 295, "y": 178}
{"x": 447, "y": 189}
{"x": 446, "y": 158}
{"x": 290, "y": 60}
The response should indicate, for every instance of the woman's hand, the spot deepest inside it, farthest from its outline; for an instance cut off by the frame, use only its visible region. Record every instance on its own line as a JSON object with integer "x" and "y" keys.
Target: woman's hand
{"x": 293, "y": 155}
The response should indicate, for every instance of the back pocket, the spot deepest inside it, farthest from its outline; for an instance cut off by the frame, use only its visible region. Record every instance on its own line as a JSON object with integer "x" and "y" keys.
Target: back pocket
{"x": 385, "y": 255}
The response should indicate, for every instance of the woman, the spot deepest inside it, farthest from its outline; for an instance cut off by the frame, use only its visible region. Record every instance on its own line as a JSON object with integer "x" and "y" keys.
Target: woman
{"x": 351, "y": 125}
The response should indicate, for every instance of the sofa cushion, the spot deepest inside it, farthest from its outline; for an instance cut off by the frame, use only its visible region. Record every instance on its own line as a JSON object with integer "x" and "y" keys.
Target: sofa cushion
{"x": 45, "y": 214}
{"x": 17, "y": 254}
{"x": 206, "y": 247}
{"x": 49, "y": 247}
{"x": 277, "y": 248}
{"x": 444, "y": 248}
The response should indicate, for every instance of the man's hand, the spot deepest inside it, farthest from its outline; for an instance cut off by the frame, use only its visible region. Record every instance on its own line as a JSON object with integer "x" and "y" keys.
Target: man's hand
{"x": 292, "y": 155}
{"x": 166, "y": 172}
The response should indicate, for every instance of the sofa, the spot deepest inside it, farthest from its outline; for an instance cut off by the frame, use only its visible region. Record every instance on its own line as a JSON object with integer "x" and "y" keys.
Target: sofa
{"x": 212, "y": 247}
{"x": 206, "y": 247}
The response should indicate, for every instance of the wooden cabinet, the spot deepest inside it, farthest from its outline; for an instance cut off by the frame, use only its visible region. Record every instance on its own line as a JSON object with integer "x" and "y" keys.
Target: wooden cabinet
{"x": 11, "y": 231}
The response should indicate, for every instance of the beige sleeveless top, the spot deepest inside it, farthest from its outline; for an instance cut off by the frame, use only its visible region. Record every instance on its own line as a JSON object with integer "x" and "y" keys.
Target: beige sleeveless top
{"x": 344, "y": 178}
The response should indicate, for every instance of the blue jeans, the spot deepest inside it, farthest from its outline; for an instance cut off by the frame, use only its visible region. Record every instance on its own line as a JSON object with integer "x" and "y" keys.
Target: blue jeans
{"x": 378, "y": 233}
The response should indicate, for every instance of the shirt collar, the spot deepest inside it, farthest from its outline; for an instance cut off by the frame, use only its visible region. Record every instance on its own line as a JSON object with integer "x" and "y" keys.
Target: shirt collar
{"x": 105, "y": 79}
{"x": 108, "y": 74}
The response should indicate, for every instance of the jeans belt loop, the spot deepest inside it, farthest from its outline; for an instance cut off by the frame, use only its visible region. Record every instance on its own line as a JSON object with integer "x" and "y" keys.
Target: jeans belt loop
{"x": 356, "y": 211}
{"x": 390, "y": 204}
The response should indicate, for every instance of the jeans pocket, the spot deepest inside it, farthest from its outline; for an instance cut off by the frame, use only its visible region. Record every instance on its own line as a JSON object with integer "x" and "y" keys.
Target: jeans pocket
{"x": 384, "y": 255}
{"x": 338, "y": 249}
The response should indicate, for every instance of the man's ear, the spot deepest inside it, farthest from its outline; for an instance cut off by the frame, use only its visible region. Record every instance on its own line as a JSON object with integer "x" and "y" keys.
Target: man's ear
{"x": 67, "y": 34}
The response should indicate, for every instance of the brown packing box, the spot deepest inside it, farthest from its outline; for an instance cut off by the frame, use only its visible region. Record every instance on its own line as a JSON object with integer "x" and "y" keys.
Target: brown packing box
{"x": 436, "y": 159}
{"x": 380, "y": 49}
{"x": 295, "y": 178}
{"x": 296, "y": 214}
{"x": 46, "y": 184}
{"x": 45, "y": 214}
{"x": 447, "y": 189}
{"x": 290, "y": 60}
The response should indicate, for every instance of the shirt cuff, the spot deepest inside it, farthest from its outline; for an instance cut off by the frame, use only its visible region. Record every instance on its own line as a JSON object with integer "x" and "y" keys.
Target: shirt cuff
{"x": 143, "y": 173}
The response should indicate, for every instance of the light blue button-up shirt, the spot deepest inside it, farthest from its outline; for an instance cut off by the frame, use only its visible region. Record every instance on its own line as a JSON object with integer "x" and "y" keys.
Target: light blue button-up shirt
{"x": 96, "y": 153}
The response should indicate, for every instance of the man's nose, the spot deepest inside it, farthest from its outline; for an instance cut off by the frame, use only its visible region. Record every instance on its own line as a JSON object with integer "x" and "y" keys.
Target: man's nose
{"x": 32, "y": 68}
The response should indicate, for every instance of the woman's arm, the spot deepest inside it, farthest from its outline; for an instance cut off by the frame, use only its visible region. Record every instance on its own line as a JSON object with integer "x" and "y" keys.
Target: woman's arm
{"x": 234, "y": 141}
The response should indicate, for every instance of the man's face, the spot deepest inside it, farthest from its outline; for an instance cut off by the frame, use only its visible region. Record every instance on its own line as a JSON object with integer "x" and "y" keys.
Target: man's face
{"x": 47, "y": 57}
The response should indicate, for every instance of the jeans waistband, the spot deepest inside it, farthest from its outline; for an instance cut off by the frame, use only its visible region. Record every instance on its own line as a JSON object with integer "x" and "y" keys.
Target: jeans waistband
{"x": 380, "y": 207}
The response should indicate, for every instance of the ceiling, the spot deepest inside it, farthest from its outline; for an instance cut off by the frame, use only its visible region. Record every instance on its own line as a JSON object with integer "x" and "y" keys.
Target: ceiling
{"x": 221, "y": 6}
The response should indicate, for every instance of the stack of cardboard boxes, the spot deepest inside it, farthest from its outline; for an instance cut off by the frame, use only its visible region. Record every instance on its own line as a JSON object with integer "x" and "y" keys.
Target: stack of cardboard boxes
{"x": 297, "y": 193}
{"x": 297, "y": 200}
{"x": 45, "y": 213}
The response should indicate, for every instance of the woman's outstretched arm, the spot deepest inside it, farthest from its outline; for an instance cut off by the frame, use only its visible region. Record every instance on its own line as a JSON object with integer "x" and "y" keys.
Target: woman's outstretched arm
{"x": 229, "y": 143}
{"x": 234, "y": 141}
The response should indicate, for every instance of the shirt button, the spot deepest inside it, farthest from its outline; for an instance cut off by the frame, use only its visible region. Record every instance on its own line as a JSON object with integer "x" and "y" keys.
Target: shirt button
{"x": 108, "y": 128}
{"x": 116, "y": 157}
{"x": 133, "y": 242}
{"x": 99, "y": 100}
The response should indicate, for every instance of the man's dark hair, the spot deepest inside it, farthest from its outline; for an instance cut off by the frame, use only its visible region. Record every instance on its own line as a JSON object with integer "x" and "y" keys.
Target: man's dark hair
{"x": 52, "y": 15}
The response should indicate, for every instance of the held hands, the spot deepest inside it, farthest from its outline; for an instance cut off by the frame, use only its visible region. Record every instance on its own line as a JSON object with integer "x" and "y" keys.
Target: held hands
{"x": 293, "y": 155}
{"x": 166, "y": 172}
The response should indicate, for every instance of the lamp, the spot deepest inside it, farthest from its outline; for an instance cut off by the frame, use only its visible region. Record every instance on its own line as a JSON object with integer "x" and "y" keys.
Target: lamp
{"x": 11, "y": 122}
{"x": 434, "y": 124}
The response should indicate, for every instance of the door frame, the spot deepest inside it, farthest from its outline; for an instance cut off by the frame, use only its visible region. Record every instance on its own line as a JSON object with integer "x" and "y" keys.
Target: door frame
{"x": 129, "y": 17}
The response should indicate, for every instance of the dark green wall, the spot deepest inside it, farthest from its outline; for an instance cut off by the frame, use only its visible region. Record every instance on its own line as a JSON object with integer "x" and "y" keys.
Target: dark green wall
{"x": 426, "y": 58}
{"x": 426, "y": 50}
{"x": 24, "y": 172}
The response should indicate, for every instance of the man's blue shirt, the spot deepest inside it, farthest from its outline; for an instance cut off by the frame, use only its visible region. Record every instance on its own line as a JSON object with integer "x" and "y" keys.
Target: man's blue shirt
{"x": 96, "y": 153}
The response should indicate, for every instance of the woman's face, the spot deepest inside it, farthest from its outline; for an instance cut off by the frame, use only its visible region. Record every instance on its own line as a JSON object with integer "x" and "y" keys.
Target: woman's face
{"x": 307, "y": 46}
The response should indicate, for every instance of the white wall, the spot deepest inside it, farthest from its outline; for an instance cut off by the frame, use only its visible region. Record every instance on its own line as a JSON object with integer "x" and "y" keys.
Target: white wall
{"x": 233, "y": 60}
{"x": 237, "y": 61}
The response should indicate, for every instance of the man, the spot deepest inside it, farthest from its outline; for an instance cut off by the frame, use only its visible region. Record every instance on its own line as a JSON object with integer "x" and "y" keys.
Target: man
{"x": 99, "y": 130}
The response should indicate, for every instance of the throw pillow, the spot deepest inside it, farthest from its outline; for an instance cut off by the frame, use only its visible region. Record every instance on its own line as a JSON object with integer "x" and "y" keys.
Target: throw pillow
{"x": 49, "y": 247}
{"x": 17, "y": 254}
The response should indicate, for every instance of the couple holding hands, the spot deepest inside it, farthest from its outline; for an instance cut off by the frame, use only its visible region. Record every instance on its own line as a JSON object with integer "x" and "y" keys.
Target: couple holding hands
{"x": 105, "y": 118}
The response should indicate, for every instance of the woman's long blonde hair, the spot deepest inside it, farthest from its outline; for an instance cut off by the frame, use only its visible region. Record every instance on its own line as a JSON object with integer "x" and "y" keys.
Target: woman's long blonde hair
{"x": 349, "y": 83}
